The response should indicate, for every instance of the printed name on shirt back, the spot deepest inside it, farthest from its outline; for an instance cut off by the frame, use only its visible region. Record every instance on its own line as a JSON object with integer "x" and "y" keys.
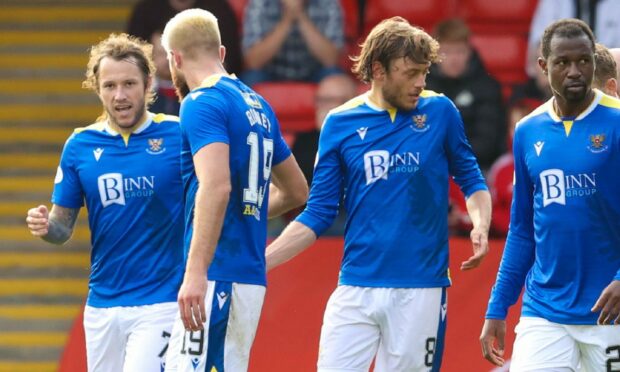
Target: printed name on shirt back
{"x": 258, "y": 118}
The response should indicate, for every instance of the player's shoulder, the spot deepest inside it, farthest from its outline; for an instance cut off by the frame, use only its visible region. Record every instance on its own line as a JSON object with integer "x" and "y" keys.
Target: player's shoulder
{"x": 94, "y": 128}
{"x": 436, "y": 99}
{"x": 350, "y": 106}
{"x": 215, "y": 90}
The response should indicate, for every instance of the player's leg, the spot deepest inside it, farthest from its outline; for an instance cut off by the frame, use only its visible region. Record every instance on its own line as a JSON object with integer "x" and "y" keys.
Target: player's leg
{"x": 543, "y": 346}
{"x": 186, "y": 350}
{"x": 350, "y": 334}
{"x": 599, "y": 346}
{"x": 232, "y": 331}
{"x": 105, "y": 344}
{"x": 412, "y": 329}
{"x": 149, "y": 332}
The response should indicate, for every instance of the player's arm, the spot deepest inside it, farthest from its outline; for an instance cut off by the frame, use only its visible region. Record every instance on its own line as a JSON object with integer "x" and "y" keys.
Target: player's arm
{"x": 55, "y": 226}
{"x": 479, "y": 210}
{"x": 295, "y": 238}
{"x": 213, "y": 173}
{"x": 288, "y": 188}
{"x": 464, "y": 168}
{"x": 517, "y": 260}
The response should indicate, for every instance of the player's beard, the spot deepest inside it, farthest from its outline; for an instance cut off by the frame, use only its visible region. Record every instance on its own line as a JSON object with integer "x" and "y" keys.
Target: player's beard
{"x": 137, "y": 117}
{"x": 180, "y": 84}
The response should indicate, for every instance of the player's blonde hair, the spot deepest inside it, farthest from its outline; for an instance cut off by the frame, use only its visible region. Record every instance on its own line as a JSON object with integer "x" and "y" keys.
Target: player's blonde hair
{"x": 191, "y": 32}
{"x": 391, "y": 39}
{"x": 120, "y": 47}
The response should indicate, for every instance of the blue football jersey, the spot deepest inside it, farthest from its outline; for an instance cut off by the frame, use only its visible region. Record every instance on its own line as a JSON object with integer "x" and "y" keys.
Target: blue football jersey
{"x": 133, "y": 191}
{"x": 564, "y": 235}
{"x": 225, "y": 110}
{"x": 393, "y": 167}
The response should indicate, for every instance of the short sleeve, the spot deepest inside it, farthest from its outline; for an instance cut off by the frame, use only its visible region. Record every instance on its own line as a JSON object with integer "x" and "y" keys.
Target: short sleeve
{"x": 68, "y": 191}
{"x": 204, "y": 120}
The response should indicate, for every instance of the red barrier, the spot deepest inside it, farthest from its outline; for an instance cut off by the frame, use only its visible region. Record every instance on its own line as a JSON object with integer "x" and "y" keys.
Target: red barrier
{"x": 288, "y": 334}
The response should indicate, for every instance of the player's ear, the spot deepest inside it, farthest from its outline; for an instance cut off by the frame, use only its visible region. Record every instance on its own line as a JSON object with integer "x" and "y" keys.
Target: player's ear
{"x": 176, "y": 59}
{"x": 378, "y": 71}
{"x": 542, "y": 63}
{"x": 611, "y": 86}
{"x": 222, "y": 53}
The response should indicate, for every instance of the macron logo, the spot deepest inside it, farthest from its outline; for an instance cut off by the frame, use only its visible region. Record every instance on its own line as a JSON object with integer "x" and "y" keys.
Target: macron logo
{"x": 195, "y": 95}
{"x": 444, "y": 310}
{"x": 362, "y": 132}
{"x": 538, "y": 147}
{"x": 221, "y": 299}
{"x": 97, "y": 152}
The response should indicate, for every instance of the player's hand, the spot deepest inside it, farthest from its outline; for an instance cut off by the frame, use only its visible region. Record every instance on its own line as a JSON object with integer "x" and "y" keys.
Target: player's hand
{"x": 493, "y": 330}
{"x": 38, "y": 220}
{"x": 480, "y": 244}
{"x": 191, "y": 300}
{"x": 608, "y": 304}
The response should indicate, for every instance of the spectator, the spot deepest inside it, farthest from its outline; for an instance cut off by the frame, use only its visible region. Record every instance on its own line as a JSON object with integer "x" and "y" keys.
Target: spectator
{"x": 601, "y": 15}
{"x": 332, "y": 92}
{"x": 291, "y": 40}
{"x": 500, "y": 175}
{"x": 166, "y": 101}
{"x": 536, "y": 88}
{"x": 462, "y": 77}
{"x": 149, "y": 16}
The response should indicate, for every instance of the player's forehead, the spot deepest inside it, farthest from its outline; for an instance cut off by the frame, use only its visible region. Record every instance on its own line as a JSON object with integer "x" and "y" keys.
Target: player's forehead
{"x": 563, "y": 46}
{"x": 406, "y": 64}
{"x": 111, "y": 69}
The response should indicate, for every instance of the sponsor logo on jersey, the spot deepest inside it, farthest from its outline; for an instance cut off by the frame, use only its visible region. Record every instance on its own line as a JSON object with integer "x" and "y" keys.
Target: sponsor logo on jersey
{"x": 379, "y": 163}
{"x": 419, "y": 123}
{"x": 115, "y": 189}
{"x": 156, "y": 146}
{"x": 597, "y": 143}
{"x": 362, "y": 132}
{"x": 558, "y": 186}
{"x": 538, "y": 147}
{"x": 97, "y": 153}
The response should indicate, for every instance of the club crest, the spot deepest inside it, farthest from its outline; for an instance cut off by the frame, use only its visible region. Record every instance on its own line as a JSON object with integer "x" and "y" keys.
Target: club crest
{"x": 419, "y": 123}
{"x": 155, "y": 146}
{"x": 597, "y": 143}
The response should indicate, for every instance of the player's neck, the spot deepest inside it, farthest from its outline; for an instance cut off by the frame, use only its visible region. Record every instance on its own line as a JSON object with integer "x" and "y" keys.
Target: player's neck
{"x": 375, "y": 96}
{"x": 565, "y": 109}
{"x": 198, "y": 73}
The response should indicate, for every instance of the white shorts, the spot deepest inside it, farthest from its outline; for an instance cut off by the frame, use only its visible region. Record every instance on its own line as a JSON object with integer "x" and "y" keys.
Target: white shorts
{"x": 128, "y": 338}
{"x": 233, "y": 311}
{"x": 542, "y": 345}
{"x": 403, "y": 327}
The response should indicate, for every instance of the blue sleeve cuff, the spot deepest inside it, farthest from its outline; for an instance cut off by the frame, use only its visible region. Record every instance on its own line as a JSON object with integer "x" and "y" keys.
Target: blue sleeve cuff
{"x": 469, "y": 190}
{"x": 315, "y": 222}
